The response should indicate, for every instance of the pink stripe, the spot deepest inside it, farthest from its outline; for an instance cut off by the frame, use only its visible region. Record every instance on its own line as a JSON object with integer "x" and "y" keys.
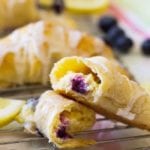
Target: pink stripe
{"x": 121, "y": 16}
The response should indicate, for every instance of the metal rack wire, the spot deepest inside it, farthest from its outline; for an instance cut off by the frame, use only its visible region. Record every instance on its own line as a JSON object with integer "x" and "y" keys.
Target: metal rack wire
{"x": 108, "y": 134}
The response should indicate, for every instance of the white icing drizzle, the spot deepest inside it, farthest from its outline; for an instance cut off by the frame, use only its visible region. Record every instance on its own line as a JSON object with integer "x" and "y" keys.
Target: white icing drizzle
{"x": 15, "y": 41}
{"x": 49, "y": 111}
{"x": 125, "y": 112}
{"x": 30, "y": 40}
{"x": 74, "y": 38}
{"x": 100, "y": 61}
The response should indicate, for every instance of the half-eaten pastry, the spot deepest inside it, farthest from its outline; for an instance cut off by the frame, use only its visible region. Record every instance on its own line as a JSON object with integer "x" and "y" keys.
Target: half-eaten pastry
{"x": 59, "y": 119}
{"x": 96, "y": 83}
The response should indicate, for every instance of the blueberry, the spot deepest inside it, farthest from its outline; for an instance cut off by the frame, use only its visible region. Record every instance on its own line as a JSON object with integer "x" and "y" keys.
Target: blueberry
{"x": 79, "y": 85}
{"x": 58, "y": 6}
{"x": 113, "y": 34}
{"x": 61, "y": 133}
{"x": 146, "y": 47}
{"x": 107, "y": 22}
{"x": 123, "y": 44}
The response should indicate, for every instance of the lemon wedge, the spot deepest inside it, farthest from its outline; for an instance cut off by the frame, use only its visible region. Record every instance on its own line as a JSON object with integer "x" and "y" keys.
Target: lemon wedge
{"x": 9, "y": 109}
{"x": 87, "y": 6}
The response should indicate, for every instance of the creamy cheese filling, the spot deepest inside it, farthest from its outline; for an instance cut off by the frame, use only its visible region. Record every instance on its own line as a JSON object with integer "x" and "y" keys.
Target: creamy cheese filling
{"x": 78, "y": 82}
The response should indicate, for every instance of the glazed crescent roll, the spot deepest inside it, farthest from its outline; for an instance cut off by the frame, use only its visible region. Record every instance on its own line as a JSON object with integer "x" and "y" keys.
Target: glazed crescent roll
{"x": 27, "y": 55}
{"x": 14, "y": 13}
{"x": 96, "y": 83}
{"x": 59, "y": 118}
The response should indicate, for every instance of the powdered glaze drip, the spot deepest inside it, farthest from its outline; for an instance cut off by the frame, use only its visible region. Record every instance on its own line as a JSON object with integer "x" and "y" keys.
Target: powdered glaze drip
{"x": 77, "y": 37}
{"x": 125, "y": 112}
{"x": 28, "y": 41}
{"x": 100, "y": 61}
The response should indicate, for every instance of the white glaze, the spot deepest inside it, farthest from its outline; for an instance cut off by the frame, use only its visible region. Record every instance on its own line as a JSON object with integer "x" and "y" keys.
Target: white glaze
{"x": 74, "y": 38}
{"x": 100, "y": 61}
{"x": 125, "y": 112}
{"x": 28, "y": 39}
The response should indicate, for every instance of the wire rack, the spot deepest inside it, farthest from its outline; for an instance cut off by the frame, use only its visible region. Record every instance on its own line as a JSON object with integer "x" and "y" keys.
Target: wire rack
{"x": 109, "y": 135}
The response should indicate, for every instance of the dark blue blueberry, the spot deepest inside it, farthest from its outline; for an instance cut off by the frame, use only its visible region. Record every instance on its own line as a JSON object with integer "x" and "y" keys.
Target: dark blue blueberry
{"x": 79, "y": 85}
{"x": 146, "y": 47}
{"x": 113, "y": 34}
{"x": 58, "y": 6}
{"x": 106, "y": 23}
{"x": 123, "y": 44}
{"x": 61, "y": 133}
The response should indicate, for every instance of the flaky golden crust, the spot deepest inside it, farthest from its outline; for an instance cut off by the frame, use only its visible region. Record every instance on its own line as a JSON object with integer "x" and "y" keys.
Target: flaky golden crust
{"x": 16, "y": 13}
{"x": 58, "y": 118}
{"x": 27, "y": 55}
{"x": 110, "y": 93}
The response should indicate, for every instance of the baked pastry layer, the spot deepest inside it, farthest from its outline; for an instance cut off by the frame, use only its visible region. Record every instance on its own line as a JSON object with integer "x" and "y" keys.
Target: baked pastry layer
{"x": 97, "y": 83}
{"x": 59, "y": 118}
{"x": 27, "y": 55}
{"x": 15, "y": 13}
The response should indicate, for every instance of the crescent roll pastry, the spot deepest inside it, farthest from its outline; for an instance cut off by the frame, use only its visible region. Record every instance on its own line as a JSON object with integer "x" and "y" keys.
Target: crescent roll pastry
{"x": 14, "y": 13}
{"x": 27, "y": 55}
{"x": 59, "y": 118}
{"x": 97, "y": 83}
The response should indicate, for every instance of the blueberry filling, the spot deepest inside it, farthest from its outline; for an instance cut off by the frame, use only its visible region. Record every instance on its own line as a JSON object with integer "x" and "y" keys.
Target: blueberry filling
{"x": 61, "y": 133}
{"x": 79, "y": 85}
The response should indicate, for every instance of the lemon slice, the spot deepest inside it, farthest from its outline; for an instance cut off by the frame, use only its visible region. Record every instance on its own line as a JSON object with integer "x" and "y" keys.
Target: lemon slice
{"x": 46, "y": 2}
{"x": 87, "y": 6}
{"x": 9, "y": 109}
